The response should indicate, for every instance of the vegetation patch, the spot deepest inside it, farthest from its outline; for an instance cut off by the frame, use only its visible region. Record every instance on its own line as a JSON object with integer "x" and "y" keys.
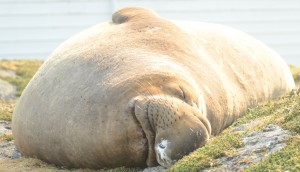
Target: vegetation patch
{"x": 296, "y": 73}
{"x": 6, "y": 137}
{"x": 24, "y": 70}
{"x": 6, "y": 110}
{"x": 287, "y": 159}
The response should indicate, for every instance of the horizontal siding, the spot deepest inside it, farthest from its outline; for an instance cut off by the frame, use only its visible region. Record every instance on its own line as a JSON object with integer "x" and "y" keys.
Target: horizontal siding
{"x": 40, "y": 34}
{"x": 51, "y": 21}
{"x": 54, "y": 8}
{"x": 214, "y": 5}
{"x": 33, "y": 28}
{"x": 27, "y": 47}
{"x": 236, "y": 16}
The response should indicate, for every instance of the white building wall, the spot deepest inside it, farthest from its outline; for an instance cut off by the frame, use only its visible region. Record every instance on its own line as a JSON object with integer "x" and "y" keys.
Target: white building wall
{"x": 33, "y": 28}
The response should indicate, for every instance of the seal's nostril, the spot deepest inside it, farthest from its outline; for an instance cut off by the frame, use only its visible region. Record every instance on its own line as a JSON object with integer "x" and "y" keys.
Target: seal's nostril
{"x": 161, "y": 146}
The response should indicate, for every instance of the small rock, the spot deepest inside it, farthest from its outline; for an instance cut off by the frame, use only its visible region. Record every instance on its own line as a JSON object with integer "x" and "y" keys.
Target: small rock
{"x": 8, "y": 127}
{"x": 7, "y": 91}
{"x": 7, "y": 73}
{"x": 154, "y": 169}
{"x": 269, "y": 128}
{"x": 16, "y": 154}
{"x": 244, "y": 127}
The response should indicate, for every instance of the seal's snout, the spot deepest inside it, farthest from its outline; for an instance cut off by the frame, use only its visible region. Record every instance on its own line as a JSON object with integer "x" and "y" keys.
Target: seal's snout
{"x": 173, "y": 128}
{"x": 180, "y": 139}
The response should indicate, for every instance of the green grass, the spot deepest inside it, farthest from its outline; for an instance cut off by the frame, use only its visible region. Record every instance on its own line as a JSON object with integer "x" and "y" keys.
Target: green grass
{"x": 6, "y": 110}
{"x": 205, "y": 157}
{"x": 284, "y": 111}
{"x": 296, "y": 73}
{"x": 24, "y": 70}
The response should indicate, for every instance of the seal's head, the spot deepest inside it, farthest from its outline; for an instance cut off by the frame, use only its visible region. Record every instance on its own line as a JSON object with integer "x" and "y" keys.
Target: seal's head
{"x": 180, "y": 129}
{"x": 174, "y": 125}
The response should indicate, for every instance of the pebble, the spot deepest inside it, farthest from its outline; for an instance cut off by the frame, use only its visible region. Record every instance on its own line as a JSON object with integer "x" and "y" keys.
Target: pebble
{"x": 154, "y": 169}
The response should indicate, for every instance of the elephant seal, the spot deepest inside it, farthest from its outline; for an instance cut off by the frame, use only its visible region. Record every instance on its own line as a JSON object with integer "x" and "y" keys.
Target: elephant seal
{"x": 142, "y": 90}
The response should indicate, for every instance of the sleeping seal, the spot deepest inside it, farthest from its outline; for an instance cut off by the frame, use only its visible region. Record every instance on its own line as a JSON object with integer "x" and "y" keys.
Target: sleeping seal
{"x": 142, "y": 90}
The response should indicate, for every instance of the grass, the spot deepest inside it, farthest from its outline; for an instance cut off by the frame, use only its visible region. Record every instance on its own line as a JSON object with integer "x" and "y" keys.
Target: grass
{"x": 6, "y": 137}
{"x": 206, "y": 157}
{"x": 296, "y": 73}
{"x": 24, "y": 70}
{"x": 6, "y": 110}
{"x": 284, "y": 111}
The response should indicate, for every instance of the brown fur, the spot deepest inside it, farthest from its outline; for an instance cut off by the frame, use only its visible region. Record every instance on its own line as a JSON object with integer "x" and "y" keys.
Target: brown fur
{"x": 94, "y": 101}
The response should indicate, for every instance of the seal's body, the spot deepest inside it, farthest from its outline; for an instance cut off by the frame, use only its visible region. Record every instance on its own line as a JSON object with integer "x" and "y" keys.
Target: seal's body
{"x": 142, "y": 90}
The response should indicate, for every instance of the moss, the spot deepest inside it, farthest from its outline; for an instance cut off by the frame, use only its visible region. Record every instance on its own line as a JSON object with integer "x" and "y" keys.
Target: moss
{"x": 292, "y": 119}
{"x": 205, "y": 157}
{"x": 6, "y": 110}
{"x": 296, "y": 73}
{"x": 24, "y": 70}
